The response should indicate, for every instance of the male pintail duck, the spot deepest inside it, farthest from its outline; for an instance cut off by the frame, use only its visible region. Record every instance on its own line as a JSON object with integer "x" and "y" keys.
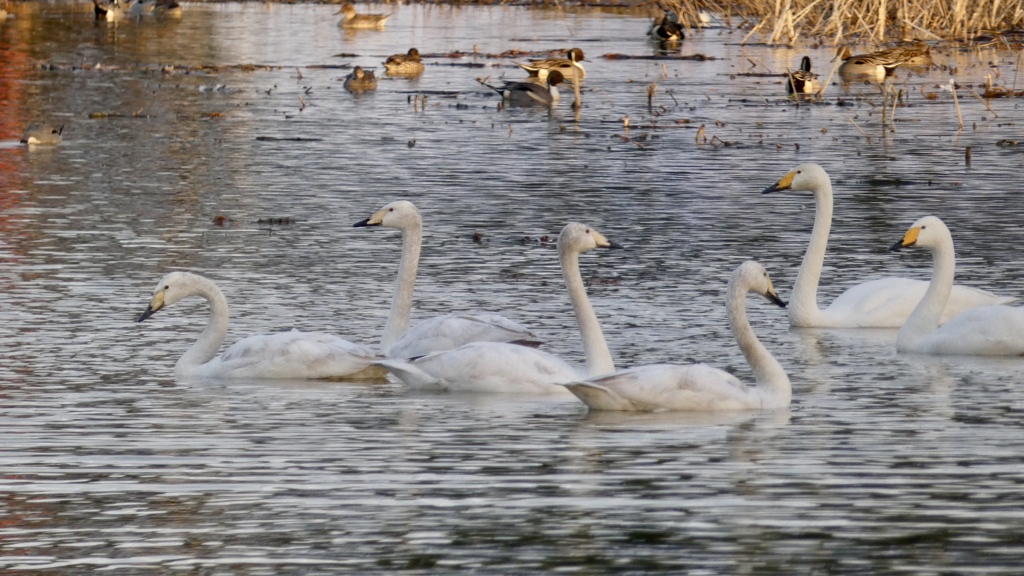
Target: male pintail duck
{"x": 530, "y": 93}
{"x": 360, "y": 80}
{"x": 44, "y": 135}
{"x": 877, "y": 66}
{"x": 351, "y": 19}
{"x": 407, "y": 64}
{"x": 802, "y": 81}
{"x": 109, "y": 11}
{"x": 666, "y": 28}
{"x": 541, "y": 68}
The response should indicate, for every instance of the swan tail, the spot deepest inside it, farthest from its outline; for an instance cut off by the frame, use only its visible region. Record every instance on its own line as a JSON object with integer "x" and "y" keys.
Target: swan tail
{"x": 597, "y": 397}
{"x": 408, "y": 373}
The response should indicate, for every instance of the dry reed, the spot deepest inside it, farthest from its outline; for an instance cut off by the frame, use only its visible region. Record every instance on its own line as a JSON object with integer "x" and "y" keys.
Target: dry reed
{"x": 841, "y": 21}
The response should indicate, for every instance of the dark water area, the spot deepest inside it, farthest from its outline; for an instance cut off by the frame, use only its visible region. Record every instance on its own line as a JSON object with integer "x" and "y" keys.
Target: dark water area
{"x": 225, "y": 144}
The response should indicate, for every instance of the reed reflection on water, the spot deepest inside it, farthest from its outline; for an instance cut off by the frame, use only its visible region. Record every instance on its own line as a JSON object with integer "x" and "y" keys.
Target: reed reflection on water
{"x": 884, "y": 463}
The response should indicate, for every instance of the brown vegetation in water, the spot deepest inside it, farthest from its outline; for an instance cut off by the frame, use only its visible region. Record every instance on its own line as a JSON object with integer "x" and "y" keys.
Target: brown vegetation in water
{"x": 859, "y": 20}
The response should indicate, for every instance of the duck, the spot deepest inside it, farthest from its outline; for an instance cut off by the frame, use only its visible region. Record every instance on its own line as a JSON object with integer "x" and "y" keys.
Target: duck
{"x": 530, "y": 93}
{"x": 666, "y": 28}
{"x": 504, "y": 368}
{"x": 440, "y": 332}
{"x": 567, "y": 66}
{"x": 157, "y": 8}
{"x": 699, "y": 387}
{"x": 109, "y": 11}
{"x": 285, "y": 355}
{"x": 882, "y": 303}
{"x": 981, "y": 331}
{"x": 802, "y": 81}
{"x": 43, "y": 135}
{"x": 360, "y": 80}
{"x": 879, "y": 65}
{"x": 407, "y": 64}
{"x": 351, "y": 19}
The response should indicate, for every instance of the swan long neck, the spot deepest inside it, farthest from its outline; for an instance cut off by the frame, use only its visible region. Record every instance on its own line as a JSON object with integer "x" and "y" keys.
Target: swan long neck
{"x": 804, "y": 304}
{"x": 599, "y": 357}
{"x": 401, "y": 301}
{"x": 772, "y": 381}
{"x": 926, "y": 316}
{"x": 206, "y": 346}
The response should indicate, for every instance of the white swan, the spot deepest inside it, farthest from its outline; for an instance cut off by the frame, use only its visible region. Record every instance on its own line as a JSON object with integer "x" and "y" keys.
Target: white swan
{"x": 981, "y": 331}
{"x": 500, "y": 367}
{"x": 883, "y": 303}
{"x": 292, "y": 355}
{"x": 699, "y": 387}
{"x": 441, "y": 332}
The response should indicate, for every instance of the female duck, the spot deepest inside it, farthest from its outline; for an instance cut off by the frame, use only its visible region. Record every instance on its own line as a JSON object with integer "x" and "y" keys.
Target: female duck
{"x": 351, "y": 19}
{"x": 981, "y": 331}
{"x": 441, "y": 332}
{"x": 291, "y": 355}
{"x": 530, "y": 93}
{"x": 499, "y": 367}
{"x": 407, "y": 64}
{"x": 883, "y": 303}
{"x": 43, "y": 135}
{"x": 699, "y": 387}
{"x": 360, "y": 80}
{"x": 569, "y": 67}
{"x": 802, "y": 82}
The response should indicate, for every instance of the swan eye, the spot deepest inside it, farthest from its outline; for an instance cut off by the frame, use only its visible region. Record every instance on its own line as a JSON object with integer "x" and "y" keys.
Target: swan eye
{"x": 923, "y": 227}
{"x": 168, "y": 287}
{"x": 799, "y": 171}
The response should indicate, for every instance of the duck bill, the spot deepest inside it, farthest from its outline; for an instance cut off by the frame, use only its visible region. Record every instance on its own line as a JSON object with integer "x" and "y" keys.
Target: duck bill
{"x": 785, "y": 184}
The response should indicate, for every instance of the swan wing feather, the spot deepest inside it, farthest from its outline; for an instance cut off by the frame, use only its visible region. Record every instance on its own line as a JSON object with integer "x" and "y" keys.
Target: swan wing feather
{"x": 690, "y": 387}
{"x": 496, "y": 367}
{"x": 981, "y": 331}
{"x": 293, "y": 354}
{"x": 453, "y": 330}
{"x": 887, "y": 302}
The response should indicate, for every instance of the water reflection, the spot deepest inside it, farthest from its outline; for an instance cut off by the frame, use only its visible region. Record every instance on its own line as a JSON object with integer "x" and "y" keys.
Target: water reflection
{"x": 225, "y": 144}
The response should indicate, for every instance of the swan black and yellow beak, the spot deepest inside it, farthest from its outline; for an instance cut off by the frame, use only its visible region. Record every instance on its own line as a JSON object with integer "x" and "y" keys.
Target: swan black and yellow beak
{"x": 908, "y": 240}
{"x": 154, "y": 306}
{"x": 375, "y": 220}
{"x": 773, "y": 297}
{"x": 603, "y": 242}
{"x": 784, "y": 184}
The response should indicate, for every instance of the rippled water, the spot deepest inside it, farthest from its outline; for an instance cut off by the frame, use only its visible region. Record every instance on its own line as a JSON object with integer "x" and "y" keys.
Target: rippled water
{"x": 885, "y": 463}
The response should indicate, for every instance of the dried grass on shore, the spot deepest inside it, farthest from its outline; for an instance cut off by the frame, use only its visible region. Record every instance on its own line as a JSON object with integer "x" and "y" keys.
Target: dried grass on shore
{"x": 860, "y": 20}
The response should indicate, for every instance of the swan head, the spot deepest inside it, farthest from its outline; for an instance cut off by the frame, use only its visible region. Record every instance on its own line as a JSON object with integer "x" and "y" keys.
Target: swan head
{"x": 808, "y": 177}
{"x": 582, "y": 238}
{"x": 754, "y": 277}
{"x": 928, "y": 232}
{"x": 170, "y": 289}
{"x": 400, "y": 214}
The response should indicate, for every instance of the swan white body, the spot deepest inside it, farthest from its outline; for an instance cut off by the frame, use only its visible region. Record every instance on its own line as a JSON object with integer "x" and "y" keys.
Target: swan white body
{"x": 498, "y": 367}
{"x": 291, "y": 355}
{"x": 882, "y": 303}
{"x": 698, "y": 387}
{"x": 981, "y": 331}
{"x": 441, "y": 332}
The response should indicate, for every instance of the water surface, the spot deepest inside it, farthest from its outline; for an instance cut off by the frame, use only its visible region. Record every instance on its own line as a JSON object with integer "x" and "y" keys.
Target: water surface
{"x": 884, "y": 463}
